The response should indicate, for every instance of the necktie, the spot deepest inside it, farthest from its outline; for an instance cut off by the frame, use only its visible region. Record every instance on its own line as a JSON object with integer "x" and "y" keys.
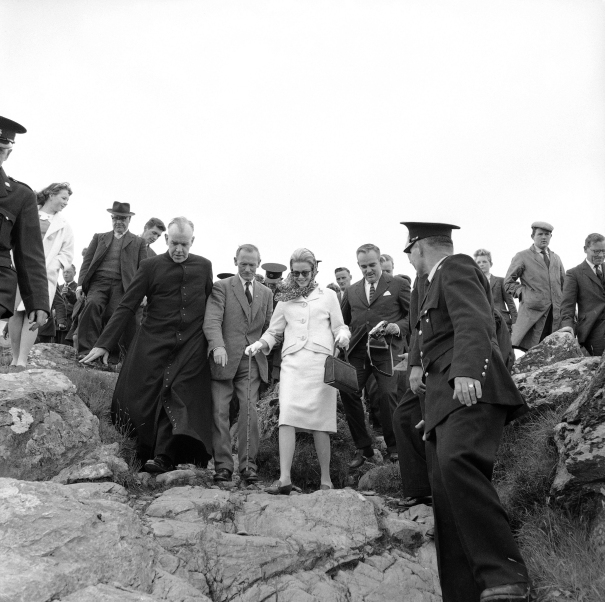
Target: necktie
{"x": 372, "y": 291}
{"x": 599, "y": 271}
{"x": 546, "y": 259}
{"x": 248, "y": 293}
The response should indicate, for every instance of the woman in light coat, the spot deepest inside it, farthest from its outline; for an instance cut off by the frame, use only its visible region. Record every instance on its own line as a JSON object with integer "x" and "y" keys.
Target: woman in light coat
{"x": 58, "y": 242}
{"x": 310, "y": 320}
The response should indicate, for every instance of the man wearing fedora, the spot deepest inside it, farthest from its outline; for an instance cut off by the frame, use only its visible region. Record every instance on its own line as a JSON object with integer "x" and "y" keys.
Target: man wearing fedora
{"x": 110, "y": 263}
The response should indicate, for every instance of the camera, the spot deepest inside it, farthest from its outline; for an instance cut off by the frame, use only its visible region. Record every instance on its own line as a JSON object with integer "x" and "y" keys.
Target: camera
{"x": 376, "y": 336}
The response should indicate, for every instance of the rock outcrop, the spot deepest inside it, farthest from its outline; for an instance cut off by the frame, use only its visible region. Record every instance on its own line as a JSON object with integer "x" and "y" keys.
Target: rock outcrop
{"x": 556, "y": 385}
{"x": 44, "y": 426}
{"x": 580, "y": 439}
{"x": 555, "y": 348}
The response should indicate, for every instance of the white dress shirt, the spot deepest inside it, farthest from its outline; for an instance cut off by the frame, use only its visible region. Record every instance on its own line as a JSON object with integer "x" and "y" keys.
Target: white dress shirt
{"x": 244, "y": 284}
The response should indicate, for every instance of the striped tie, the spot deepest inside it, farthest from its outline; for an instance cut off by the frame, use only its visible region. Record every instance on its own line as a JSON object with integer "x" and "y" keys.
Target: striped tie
{"x": 372, "y": 291}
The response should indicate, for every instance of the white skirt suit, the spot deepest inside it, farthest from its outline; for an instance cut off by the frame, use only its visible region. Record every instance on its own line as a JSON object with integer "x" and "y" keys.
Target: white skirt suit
{"x": 309, "y": 327}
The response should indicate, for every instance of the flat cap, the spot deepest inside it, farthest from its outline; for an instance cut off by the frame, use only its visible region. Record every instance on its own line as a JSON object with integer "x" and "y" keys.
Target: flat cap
{"x": 543, "y": 226}
{"x": 419, "y": 230}
{"x": 273, "y": 271}
{"x": 8, "y": 129}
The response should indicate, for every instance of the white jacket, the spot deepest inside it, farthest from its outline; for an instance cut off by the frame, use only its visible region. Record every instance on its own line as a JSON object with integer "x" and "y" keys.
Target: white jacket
{"x": 58, "y": 245}
{"x": 310, "y": 323}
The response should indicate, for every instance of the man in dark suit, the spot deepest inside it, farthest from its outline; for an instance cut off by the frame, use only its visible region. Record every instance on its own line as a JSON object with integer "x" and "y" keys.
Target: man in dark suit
{"x": 503, "y": 300}
{"x": 109, "y": 266}
{"x": 237, "y": 313}
{"x": 469, "y": 397}
{"x": 20, "y": 233}
{"x": 68, "y": 292}
{"x": 375, "y": 298}
{"x": 584, "y": 286}
{"x": 152, "y": 231}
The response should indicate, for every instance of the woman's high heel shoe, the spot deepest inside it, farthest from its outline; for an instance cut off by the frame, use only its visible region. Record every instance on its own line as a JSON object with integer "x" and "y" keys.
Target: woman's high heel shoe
{"x": 278, "y": 489}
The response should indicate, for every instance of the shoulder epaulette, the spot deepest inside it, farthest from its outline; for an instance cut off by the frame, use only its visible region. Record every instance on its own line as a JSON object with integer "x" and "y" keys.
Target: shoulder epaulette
{"x": 22, "y": 183}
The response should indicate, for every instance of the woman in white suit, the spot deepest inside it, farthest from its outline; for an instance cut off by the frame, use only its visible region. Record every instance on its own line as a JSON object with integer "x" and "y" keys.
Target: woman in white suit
{"x": 309, "y": 318}
{"x": 58, "y": 242}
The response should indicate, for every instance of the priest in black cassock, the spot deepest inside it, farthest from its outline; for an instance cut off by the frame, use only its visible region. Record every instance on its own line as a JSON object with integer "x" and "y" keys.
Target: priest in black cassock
{"x": 163, "y": 392}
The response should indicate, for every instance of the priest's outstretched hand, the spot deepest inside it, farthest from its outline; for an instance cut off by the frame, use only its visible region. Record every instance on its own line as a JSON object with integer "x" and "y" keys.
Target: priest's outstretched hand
{"x": 95, "y": 353}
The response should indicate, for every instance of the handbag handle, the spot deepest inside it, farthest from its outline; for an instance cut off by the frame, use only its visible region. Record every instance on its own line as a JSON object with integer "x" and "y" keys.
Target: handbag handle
{"x": 336, "y": 348}
{"x": 369, "y": 351}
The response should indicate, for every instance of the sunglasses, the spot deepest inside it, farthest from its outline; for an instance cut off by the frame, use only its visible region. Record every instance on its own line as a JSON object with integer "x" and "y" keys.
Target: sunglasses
{"x": 304, "y": 273}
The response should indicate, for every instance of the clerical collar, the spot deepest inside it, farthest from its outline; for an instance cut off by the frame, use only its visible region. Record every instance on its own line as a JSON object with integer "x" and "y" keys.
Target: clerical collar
{"x": 430, "y": 278}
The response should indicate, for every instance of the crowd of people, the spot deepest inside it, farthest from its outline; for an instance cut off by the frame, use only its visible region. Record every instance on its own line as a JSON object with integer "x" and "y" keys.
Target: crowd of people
{"x": 195, "y": 351}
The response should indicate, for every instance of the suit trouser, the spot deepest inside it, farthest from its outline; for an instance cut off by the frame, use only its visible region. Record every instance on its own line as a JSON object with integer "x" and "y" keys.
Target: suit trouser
{"x": 373, "y": 404}
{"x": 102, "y": 299}
{"x": 222, "y": 393}
{"x": 595, "y": 341}
{"x": 387, "y": 396}
{"x": 410, "y": 446}
{"x": 475, "y": 545}
{"x": 165, "y": 441}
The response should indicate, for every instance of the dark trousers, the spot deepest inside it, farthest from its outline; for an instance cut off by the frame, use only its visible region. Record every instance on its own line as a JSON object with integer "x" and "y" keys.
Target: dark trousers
{"x": 547, "y": 330}
{"x": 165, "y": 441}
{"x": 373, "y": 404}
{"x": 387, "y": 397}
{"x": 102, "y": 299}
{"x": 475, "y": 545}
{"x": 410, "y": 446}
{"x": 595, "y": 342}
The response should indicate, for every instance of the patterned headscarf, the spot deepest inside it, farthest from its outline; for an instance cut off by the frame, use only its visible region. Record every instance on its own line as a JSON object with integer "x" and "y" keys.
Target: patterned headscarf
{"x": 288, "y": 290}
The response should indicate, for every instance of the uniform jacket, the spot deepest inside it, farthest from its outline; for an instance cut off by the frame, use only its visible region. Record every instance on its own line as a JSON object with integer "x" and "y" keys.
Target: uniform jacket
{"x": 391, "y": 302}
{"x": 134, "y": 250}
{"x": 231, "y": 322}
{"x": 538, "y": 289}
{"x": 456, "y": 336}
{"x": 310, "y": 323}
{"x": 582, "y": 288}
{"x": 20, "y": 232}
{"x": 503, "y": 301}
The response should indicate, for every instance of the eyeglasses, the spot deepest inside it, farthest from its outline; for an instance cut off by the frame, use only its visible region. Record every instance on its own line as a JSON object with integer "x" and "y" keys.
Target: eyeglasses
{"x": 597, "y": 252}
{"x": 119, "y": 218}
{"x": 304, "y": 273}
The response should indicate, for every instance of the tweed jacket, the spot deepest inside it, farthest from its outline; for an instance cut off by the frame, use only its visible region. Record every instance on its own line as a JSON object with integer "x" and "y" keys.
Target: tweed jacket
{"x": 231, "y": 322}
{"x": 134, "y": 250}
{"x": 582, "y": 288}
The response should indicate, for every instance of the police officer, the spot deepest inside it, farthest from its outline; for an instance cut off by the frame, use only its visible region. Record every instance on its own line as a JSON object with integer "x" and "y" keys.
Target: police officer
{"x": 469, "y": 397}
{"x": 20, "y": 232}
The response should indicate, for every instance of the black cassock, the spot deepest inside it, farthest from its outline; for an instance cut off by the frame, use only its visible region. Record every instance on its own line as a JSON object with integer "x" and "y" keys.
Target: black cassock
{"x": 166, "y": 366}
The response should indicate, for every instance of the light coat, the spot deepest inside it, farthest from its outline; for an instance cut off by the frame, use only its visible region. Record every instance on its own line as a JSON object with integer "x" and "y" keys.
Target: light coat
{"x": 310, "y": 323}
{"x": 58, "y": 245}
{"x": 539, "y": 288}
{"x": 231, "y": 322}
{"x": 582, "y": 287}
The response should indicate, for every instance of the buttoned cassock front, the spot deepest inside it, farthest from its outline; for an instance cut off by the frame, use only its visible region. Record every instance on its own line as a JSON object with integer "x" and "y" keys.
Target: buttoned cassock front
{"x": 167, "y": 363}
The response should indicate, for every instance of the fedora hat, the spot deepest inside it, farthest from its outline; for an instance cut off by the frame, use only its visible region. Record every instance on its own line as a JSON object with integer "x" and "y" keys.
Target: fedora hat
{"x": 120, "y": 209}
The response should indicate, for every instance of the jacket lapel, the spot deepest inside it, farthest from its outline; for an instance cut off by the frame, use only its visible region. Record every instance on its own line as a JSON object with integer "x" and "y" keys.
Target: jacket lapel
{"x": 360, "y": 289}
{"x": 128, "y": 238}
{"x": 383, "y": 284}
{"x": 56, "y": 224}
{"x": 256, "y": 300}
{"x": 4, "y": 183}
{"x": 539, "y": 258}
{"x": 589, "y": 273}
{"x": 238, "y": 289}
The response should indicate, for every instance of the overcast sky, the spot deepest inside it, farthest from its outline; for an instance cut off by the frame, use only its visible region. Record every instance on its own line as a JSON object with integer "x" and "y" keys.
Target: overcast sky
{"x": 316, "y": 124}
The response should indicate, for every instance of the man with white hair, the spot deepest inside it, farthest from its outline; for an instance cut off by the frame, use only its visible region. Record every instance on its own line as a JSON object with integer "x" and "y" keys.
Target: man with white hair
{"x": 163, "y": 392}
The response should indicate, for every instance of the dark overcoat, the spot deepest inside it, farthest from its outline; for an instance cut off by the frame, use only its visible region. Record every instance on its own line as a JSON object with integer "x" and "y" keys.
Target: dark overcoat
{"x": 166, "y": 365}
{"x": 20, "y": 233}
{"x": 456, "y": 336}
{"x": 582, "y": 288}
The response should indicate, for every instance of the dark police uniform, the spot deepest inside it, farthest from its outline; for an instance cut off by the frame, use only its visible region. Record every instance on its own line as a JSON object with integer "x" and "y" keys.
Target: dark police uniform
{"x": 456, "y": 338}
{"x": 20, "y": 232}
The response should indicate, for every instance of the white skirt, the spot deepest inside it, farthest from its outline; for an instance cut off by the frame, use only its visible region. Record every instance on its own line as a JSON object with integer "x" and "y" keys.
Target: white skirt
{"x": 305, "y": 401}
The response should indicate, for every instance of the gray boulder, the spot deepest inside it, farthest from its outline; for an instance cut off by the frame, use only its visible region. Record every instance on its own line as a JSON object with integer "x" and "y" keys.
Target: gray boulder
{"x": 580, "y": 440}
{"x": 556, "y": 385}
{"x": 44, "y": 426}
{"x": 555, "y": 348}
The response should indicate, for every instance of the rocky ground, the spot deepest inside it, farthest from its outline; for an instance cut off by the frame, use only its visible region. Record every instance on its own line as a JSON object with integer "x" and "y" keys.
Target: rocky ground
{"x": 79, "y": 523}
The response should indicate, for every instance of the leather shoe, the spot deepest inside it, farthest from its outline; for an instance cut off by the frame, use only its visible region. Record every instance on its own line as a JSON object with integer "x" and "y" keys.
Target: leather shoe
{"x": 222, "y": 474}
{"x": 393, "y": 457}
{"x": 159, "y": 465}
{"x": 249, "y": 475}
{"x": 409, "y": 502}
{"x": 360, "y": 457}
{"x": 278, "y": 489}
{"x": 325, "y": 487}
{"x": 513, "y": 592}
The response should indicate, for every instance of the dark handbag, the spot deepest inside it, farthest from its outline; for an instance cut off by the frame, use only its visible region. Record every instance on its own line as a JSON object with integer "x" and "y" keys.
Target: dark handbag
{"x": 340, "y": 374}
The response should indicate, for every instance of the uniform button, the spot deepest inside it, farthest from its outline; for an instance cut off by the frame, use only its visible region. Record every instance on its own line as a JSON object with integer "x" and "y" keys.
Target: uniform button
{"x": 426, "y": 373}
{"x": 427, "y": 319}
{"x": 485, "y": 367}
{"x": 421, "y": 354}
{"x": 482, "y": 373}
{"x": 420, "y": 332}
{"x": 486, "y": 361}
{"x": 304, "y": 305}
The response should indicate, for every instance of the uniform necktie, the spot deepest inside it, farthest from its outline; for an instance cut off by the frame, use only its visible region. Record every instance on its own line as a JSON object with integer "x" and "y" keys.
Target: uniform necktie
{"x": 599, "y": 270}
{"x": 372, "y": 291}
{"x": 248, "y": 293}
{"x": 546, "y": 259}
